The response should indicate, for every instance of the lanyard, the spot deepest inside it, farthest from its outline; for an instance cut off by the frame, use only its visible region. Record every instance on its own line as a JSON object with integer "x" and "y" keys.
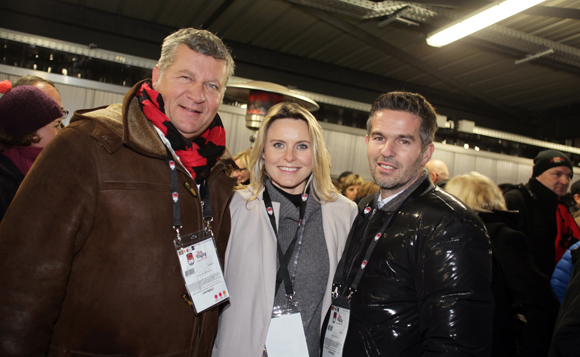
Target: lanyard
{"x": 204, "y": 192}
{"x": 283, "y": 275}
{"x": 340, "y": 269}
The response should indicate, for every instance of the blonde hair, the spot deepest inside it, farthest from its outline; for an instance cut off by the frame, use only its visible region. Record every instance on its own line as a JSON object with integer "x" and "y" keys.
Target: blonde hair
{"x": 244, "y": 157}
{"x": 366, "y": 189}
{"x": 351, "y": 180}
{"x": 479, "y": 192}
{"x": 320, "y": 180}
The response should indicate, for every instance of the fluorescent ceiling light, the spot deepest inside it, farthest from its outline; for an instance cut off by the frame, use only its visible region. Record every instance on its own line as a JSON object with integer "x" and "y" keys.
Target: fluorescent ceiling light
{"x": 478, "y": 20}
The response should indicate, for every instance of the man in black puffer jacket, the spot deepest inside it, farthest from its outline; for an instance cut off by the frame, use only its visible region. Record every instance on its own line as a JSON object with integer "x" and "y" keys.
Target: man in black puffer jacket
{"x": 417, "y": 268}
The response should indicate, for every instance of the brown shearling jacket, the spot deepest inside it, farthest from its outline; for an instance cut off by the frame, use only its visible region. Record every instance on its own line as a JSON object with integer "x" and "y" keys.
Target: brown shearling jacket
{"x": 87, "y": 262}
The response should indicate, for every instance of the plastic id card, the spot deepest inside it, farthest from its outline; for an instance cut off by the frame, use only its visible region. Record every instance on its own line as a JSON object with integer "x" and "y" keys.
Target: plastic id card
{"x": 201, "y": 270}
{"x": 286, "y": 336}
{"x": 335, "y": 333}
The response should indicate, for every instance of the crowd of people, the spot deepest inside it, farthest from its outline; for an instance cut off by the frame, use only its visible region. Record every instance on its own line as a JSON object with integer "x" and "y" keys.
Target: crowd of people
{"x": 134, "y": 231}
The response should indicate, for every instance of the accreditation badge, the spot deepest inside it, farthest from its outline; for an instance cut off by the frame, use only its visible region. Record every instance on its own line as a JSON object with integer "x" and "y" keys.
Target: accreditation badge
{"x": 286, "y": 336}
{"x": 201, "y": 270}
{"x": 335, "y": 333}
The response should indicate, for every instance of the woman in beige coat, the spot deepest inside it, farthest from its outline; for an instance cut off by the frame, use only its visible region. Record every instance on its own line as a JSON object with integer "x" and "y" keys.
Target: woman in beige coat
{"x": 290, "y": 215}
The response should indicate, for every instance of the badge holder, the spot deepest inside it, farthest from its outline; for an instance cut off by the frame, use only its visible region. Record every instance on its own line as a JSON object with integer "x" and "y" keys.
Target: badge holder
{"x": 197, "y": 253}
{"x": 337, "y": 328}
{"x": 201, "y": 270}
{"x": 286, "y": 336}
{"x": 335, "y": 333}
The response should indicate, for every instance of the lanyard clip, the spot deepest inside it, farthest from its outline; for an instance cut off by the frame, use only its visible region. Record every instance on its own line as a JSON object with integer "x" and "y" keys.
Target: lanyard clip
{"x": 178, "y": 234}
{"x": 350, "y": 293}
{"x": 334, "y": 293}
{"x": 207, "y": 222}
{"x": 291, "y": 302}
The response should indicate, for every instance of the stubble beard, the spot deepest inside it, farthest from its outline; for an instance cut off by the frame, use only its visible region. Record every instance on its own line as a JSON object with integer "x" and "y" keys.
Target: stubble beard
{"x": 391, "y": 184}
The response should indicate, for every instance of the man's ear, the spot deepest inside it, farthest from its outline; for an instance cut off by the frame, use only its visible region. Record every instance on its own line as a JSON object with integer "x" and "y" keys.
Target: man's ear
{"x": 156, "y": 76}
{"x": 427, "y": 154}
{"x": 433, "y": 176}
{"x": 577, "y": 198}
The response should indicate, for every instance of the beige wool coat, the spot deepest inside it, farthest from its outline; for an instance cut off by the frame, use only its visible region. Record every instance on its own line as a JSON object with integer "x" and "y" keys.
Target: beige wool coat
{"x": 250, "y": 269}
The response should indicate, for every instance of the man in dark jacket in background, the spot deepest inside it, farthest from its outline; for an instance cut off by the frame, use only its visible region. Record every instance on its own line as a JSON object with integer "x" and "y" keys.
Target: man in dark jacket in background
{"x": 417, "y": 270}
{"x": 87, "y": 257}
{"x": 543, "y": 217}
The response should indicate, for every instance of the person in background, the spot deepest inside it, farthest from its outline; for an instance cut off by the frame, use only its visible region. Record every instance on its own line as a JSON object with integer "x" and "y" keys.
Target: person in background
{"x": 575, "y": 193}
{"x": 242, "y": 172}
{"x": 343, "y": 176}
{"x": 350, "y": 186}
{"x": 48, "y": 87}
{"x": 566, "y": 341}
{"x": 29, "y": 120}
{"x": 438, "y": 172}
{"x": 367, "y": 188}
{"x": 525, "y": 306}
{"x": 289, "y": 228}
{"x": 544, "y": 218}
{"x": 561, "y": 277}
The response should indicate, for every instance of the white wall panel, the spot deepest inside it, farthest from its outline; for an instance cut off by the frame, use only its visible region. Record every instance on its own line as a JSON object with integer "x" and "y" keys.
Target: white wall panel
{"x": 463, "y": 164}
{"x": 346, "y": 145}
{"x": 486, "y": 166}
{"x": 237, "y": 135}
{"x": 505, "y": 172}
{"x": 447, "y": 157}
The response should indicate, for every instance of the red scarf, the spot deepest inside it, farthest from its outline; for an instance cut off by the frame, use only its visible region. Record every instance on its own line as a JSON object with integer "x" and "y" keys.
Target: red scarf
{"x": 22, "y": 157}
{"x": 568, "y": 232}
{"x": 198, "y": 155}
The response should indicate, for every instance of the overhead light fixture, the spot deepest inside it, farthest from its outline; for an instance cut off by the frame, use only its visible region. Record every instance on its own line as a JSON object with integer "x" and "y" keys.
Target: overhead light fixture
{"x": 482, "y": 18}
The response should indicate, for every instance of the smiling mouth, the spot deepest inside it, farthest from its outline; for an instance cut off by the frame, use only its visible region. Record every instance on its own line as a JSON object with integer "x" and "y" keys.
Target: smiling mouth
{"x": 190, "y": 110}
{"x": 387, "y": 166}
{"x": 288, "y": 169}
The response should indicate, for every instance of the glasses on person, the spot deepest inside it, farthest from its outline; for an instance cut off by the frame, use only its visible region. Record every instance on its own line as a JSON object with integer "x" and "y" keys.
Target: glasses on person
{"x": 240, "y": 170}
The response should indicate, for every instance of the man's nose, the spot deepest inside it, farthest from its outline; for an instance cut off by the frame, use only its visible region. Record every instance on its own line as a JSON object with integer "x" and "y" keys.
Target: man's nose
{"x": 196, "y": 93}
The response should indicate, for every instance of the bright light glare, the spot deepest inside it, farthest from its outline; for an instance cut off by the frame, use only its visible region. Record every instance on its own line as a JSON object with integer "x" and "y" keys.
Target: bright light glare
{"x": 479, "y": 21}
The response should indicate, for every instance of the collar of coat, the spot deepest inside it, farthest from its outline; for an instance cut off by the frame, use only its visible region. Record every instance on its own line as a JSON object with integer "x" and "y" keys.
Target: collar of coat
{"x": 125, "y": 124}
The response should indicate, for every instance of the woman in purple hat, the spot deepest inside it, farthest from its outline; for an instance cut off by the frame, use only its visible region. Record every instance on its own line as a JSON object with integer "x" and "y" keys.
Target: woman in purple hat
{"x": 29, "y": 119}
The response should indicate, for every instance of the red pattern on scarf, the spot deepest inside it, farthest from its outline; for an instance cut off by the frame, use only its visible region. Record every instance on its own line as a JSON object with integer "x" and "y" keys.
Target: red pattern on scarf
{"x": 568, "y": 232}
{"x": 22, "y": 156}
{"x": 197, "y": 156}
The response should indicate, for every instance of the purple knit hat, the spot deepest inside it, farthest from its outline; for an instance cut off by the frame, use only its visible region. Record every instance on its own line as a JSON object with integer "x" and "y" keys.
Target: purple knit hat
{"x": 25, "y": 109}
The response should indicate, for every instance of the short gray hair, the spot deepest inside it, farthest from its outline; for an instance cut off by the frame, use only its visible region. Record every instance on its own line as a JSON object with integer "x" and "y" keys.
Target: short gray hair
{"x": 200, "y": 41}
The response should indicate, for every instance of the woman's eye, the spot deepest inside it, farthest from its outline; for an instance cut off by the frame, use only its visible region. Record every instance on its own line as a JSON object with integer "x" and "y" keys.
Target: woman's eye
{"x": 278, "y": 145}
{"x": 303, "y": 146}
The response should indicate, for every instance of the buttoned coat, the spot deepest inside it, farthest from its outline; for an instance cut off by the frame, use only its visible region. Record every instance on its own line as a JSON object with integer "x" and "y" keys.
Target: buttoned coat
{"x": 250, "y": 269}
{"x": 87, "y": 260}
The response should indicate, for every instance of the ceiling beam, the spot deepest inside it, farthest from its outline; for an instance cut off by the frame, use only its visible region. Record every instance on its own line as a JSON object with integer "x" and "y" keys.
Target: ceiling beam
{"x": 556, "y": 12}
{"x": 393, "y": 51}
{"x": 538, "y": 10}
{"x": 217, "y": 13}
{"x": 319, "y": 77}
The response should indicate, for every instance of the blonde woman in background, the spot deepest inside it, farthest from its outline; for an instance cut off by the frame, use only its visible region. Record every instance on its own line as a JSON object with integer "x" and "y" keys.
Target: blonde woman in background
{"x": 351, "y": 185}
{"x": 242, "y": 173}
{"x": 516, "y": 280}
{"x": 290, "y": 216}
